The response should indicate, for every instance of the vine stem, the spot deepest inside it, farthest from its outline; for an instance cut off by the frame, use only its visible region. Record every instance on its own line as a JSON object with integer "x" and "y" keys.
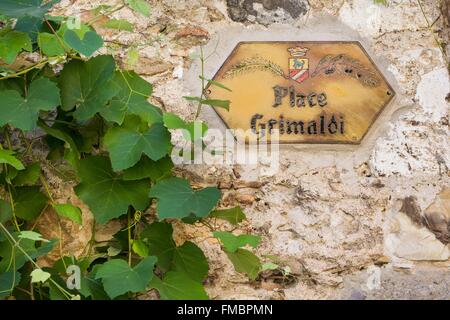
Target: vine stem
{"x": 31, "y": 291}
{"x": 13, "y": 207}
{"x": 92, "y": 240}
{"x": 57, "y": 36}
{"x": 207, "y": 224}
{"x": 28, "y": 144}
{"x": 47, "y": 189}
{"x": 17, "y": 245}
{"x": 430, "y": 28}
{"x": 11, "y": 199}
{"x": 202, "y": 62}
{"x": 90, "y": 22}
{"x": 129, "y": 238}
{"x": 24, "y": 71}
{"x": 8, "y": 139}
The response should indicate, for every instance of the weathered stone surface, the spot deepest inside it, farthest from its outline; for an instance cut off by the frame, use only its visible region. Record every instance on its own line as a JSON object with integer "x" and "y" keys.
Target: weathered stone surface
{"x": 412, "y": 242}
{"x": 421, "y": 284}
{"x": 150, "y": 66}
{"x": 445, "y": 30}
{"x": 190, "y": 36}
{"x": 266, "y": 12}
{"x": 328, "y": 214}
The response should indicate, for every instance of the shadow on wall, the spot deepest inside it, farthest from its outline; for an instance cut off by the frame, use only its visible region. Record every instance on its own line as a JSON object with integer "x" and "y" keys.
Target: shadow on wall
{"x": 435, "y": 218}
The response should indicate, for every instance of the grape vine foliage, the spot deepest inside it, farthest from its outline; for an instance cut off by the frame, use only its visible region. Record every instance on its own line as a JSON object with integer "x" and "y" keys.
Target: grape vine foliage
{"x": 68, "y": 111}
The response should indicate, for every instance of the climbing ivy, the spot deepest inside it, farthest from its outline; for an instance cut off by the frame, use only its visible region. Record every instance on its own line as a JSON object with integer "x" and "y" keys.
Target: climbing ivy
{"x": 69, "y": 111}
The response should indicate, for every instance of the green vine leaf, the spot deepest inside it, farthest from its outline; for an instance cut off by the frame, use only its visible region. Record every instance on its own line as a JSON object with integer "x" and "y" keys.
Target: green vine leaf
{"x": 11, "y": 84}
{"x": 187, "y": 258}
{"x": 29, "y": 176}
{"x": 190, "y": 259}
{"x": 215, "y": 83}
{"x": 60, "y": 134}
{"x": 39, "y": 275}
{"x": 31, "y": 235}
{"x": 119, "y": 24}
{"x": 117, "y": 145}
{"x": 80, "y": 29}
{"x": 87, "y": 86}
{"x": 5, "y": 211}
{"x": 383, "y": 2}
{"x": 246, "y": 262}
{"x": 131, "y": 98}
{"x": 12, "y": 43}
{"x": 132, "y": 57}
{"x": 178, "y": 286}
{"x": 140, "y": 248}
{"x": 10, "y": 253}
{"x": 29, "y": 202}
{"x": 119, "y": 278}
{"x": 43, "y": 249}
{"x": 69, "y": 211}
{"x": 147, "y": 168}
{"x": 50, "y": 45}
{"x": 61, "y": 264}
{"x": 173, "y": 121}
{"x": 30, "y": 8}
{"x": 30, "y": 25}
{"x": 92, "y": 287}
{"x": 194, "y": 130}
{"x": 158, "y": 236}
{"x": 85, "y": 45}
{"x": 22, "y": 113}
{"x": 101, "y": 8}
{"x": 176, "y": 199}
{"x": 106, "y": 194}
{"x": 89, "y": 134}
{"x": 7, "y": 177}
{"x": 7, "y": 156}
{"x": 269, "y": 266}
{"x": 232, "y": 215}
{"x": 8, "y": 281}
{"x": 232, "y": 242}
{"x": 225, "y": 104}
{"x": 140, "y": 6}
{"x": 127, "y": 143}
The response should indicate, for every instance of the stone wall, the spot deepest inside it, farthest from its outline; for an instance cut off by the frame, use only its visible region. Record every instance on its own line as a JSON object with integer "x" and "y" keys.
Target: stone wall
{"x": 335, "y": 216}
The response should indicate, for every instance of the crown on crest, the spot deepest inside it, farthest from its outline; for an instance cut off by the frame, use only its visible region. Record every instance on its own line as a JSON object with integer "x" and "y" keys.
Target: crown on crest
{"x": 298, "y": 51}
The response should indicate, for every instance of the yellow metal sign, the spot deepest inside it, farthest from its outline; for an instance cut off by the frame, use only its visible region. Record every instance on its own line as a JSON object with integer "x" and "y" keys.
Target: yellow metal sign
{"x": 311, "y": 92}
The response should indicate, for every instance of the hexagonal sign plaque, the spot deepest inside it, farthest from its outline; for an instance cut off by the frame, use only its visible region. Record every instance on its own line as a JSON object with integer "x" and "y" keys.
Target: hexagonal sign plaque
{"x": 311, "y": 92}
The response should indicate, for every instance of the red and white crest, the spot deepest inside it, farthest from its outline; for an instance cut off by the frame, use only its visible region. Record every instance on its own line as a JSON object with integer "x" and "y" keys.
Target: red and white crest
{"x": 298, "y": 65}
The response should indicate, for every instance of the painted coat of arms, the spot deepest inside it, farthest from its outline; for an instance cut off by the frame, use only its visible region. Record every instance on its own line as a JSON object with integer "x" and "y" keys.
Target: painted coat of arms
{"x": 299, "y": 69}
{"x": 298, "y": 65}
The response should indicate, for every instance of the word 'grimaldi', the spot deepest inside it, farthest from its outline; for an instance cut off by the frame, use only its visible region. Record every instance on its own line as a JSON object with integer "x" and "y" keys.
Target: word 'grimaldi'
{"x": 332, "y": 124}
